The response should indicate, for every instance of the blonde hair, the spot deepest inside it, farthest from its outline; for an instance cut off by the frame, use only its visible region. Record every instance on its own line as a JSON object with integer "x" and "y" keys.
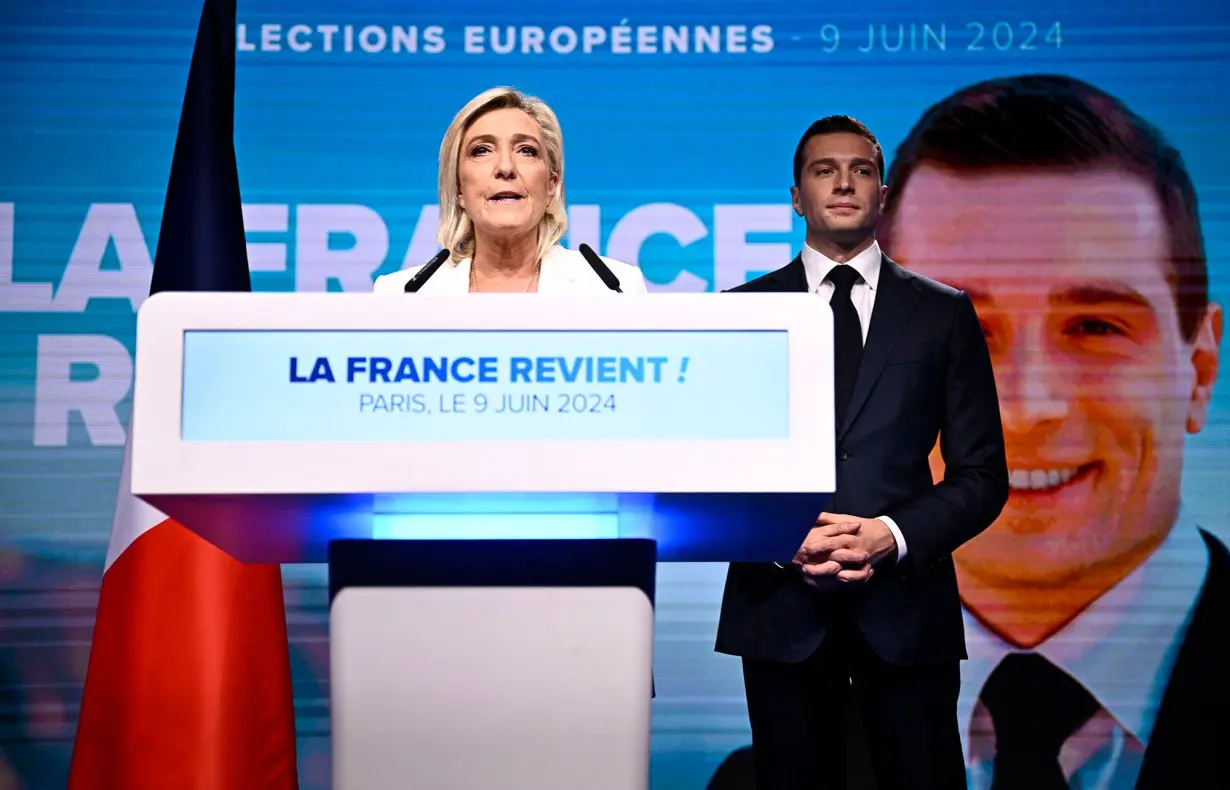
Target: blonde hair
{"x": 456, "y": 232}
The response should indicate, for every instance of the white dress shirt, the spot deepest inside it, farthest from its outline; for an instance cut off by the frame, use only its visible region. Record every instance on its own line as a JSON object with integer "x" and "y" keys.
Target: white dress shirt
{"x": 1121, "y": 648}
{"x": 863, "y": 294}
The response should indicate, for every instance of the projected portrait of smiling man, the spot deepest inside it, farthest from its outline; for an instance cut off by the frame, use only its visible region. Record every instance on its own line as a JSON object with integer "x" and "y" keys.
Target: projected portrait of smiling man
{"x": 1089, "y": 603}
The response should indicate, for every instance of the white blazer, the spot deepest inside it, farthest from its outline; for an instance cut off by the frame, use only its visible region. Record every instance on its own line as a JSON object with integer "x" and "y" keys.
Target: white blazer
{"x": 563, "y": 271}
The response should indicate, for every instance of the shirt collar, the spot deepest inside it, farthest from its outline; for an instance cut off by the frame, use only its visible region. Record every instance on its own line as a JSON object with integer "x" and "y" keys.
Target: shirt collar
{"x": 1122, "y": 647}
{"x": 818, "y": 265}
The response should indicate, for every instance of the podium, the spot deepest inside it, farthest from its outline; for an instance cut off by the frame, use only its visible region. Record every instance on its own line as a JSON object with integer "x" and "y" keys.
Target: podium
{"x": 491, "y": 480}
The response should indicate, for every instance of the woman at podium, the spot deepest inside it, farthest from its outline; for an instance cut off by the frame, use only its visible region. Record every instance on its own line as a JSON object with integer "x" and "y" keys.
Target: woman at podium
{"x": 502, "y": 209}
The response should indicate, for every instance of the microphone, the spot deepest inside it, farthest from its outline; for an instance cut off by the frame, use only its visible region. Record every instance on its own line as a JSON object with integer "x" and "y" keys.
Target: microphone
{"x": 604, "y": 272}
{"x": 425, "y": 273}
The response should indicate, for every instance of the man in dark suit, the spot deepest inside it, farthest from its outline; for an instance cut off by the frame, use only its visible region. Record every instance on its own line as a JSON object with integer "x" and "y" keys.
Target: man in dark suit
{"x": 867, "y": 612}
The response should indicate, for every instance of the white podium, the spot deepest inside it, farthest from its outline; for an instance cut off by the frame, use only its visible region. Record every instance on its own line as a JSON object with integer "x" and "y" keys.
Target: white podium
{"x": 491, "y": 479}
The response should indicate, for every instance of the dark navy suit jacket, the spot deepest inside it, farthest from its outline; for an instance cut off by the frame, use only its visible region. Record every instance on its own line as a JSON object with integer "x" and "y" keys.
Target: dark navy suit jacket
{"x": 925, "y": 373}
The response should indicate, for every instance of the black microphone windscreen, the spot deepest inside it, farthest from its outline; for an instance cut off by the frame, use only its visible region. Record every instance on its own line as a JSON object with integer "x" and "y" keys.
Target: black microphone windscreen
{"x": 425, "y": 273}
{"x": 603, "y": 271}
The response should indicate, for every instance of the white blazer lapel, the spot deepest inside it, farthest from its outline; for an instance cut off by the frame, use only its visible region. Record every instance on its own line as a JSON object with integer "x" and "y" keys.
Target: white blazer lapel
{"x": 559, "y": 272}
{"x": 451, "y": 278}
{"x": 563, "y": 271}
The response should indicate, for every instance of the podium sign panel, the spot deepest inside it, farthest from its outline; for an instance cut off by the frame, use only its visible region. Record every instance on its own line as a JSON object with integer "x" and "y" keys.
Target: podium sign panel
{"x": 492, "y": 386}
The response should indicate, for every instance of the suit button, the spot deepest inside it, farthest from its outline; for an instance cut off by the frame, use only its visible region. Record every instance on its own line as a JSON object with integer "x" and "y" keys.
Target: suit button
{"x": 842, "y": 455}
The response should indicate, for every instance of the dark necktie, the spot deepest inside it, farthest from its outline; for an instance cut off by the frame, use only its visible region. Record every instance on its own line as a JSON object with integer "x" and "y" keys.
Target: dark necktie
{"x": 847, "y": 337}
{"x": 1035, "y": 707}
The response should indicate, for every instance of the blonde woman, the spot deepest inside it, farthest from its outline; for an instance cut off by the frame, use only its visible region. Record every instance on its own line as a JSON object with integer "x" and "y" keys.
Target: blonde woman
{"x": 502, "y": 207}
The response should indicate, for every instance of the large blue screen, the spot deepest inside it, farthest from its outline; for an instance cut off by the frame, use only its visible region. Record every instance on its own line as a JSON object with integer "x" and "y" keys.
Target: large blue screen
{"x": 680, "y": 120}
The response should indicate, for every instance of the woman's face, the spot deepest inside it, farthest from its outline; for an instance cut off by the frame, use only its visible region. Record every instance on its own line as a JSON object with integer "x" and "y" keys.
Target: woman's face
{"x": 504, "y": 178}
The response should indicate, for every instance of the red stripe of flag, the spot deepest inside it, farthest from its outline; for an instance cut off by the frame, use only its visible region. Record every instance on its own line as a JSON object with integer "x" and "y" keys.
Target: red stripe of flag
{"x": 188, "y": 685}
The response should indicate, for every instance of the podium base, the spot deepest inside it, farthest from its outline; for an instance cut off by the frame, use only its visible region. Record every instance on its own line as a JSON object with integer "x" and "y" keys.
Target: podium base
{"x": 463, "y": 665}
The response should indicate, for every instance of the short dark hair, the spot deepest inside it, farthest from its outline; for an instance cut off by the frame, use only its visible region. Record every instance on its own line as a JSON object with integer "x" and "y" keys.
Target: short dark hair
{"x": 1041, "y": 121}
{"x": 835, "y": 124}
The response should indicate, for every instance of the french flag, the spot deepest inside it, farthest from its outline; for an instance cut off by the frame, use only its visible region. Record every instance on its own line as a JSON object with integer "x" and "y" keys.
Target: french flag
{"x": 188, "y": 684}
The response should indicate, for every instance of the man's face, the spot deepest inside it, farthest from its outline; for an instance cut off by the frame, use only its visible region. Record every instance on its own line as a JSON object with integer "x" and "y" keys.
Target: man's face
{"x": 839, "y": 191}
{"x": 1097, "y": 386}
